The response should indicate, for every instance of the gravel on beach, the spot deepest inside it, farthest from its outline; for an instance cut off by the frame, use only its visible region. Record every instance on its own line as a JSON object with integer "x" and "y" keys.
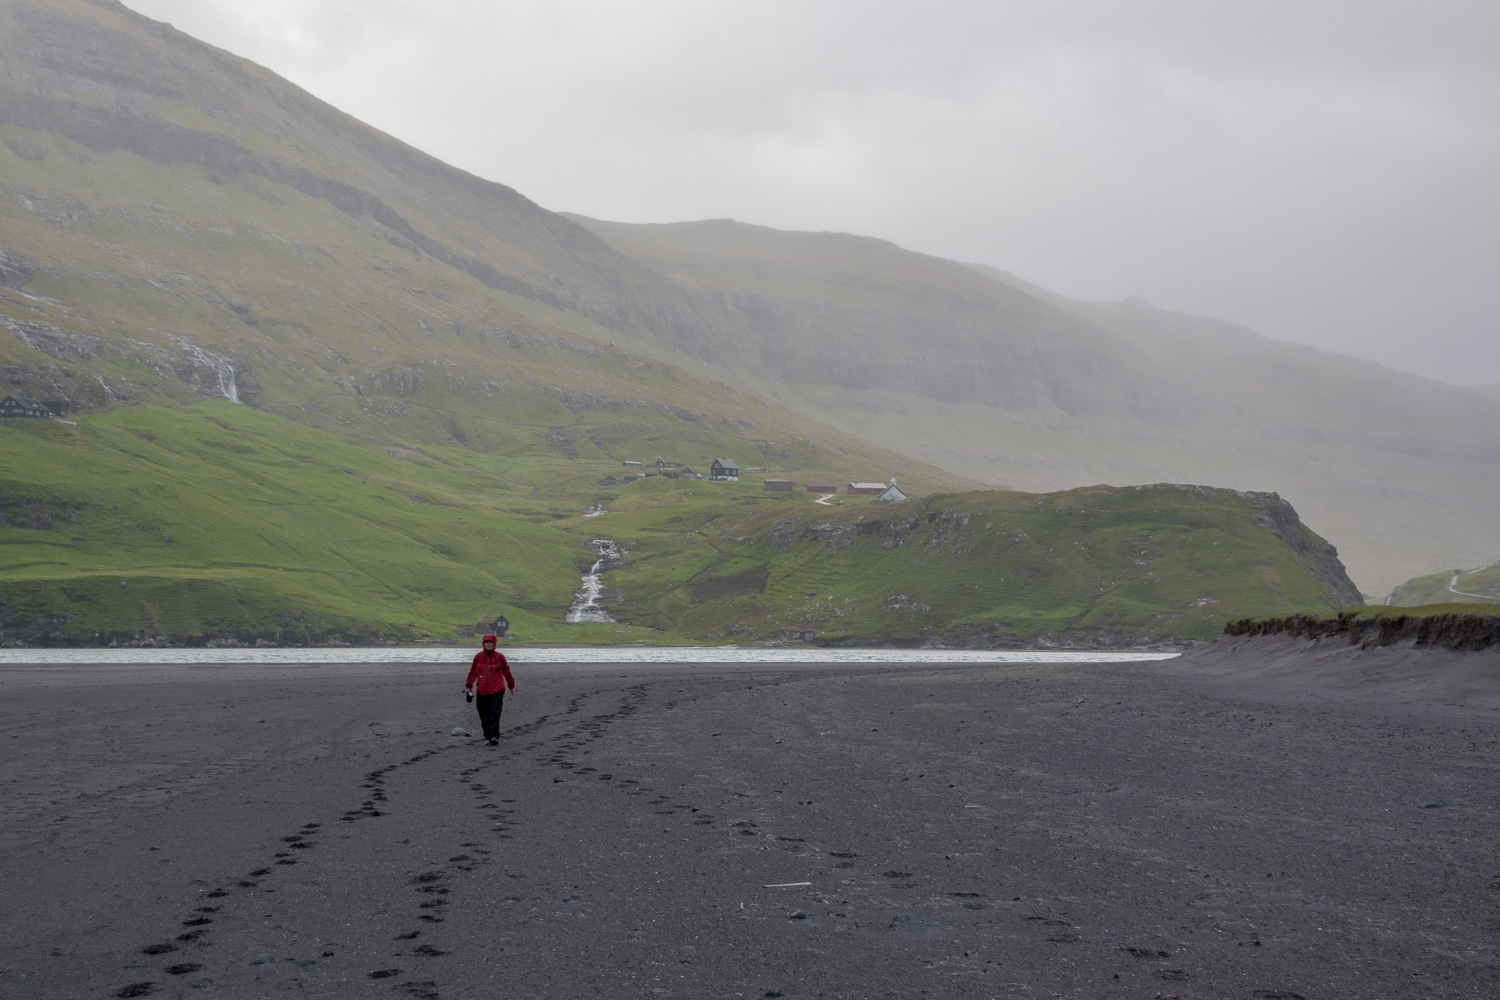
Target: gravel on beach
{"x": 1139, "y": 830}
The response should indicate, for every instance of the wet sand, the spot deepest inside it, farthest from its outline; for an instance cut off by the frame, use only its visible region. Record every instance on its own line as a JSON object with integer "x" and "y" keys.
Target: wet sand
{"x": 1143, "y": 830}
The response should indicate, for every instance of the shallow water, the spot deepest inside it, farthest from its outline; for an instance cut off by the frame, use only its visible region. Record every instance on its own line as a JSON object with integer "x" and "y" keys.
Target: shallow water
{"x": 571, "y": 654}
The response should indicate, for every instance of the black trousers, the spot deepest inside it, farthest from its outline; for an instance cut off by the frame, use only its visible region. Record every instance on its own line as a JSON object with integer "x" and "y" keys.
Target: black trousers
{"x": 489, "y": 706}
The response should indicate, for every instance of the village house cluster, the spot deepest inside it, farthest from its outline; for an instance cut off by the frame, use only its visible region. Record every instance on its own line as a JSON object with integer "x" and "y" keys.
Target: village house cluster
{"x": 727, "y": 470}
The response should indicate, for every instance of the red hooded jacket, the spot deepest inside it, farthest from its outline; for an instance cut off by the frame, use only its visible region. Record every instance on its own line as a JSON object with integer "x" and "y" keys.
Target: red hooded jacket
{"x": 490, "y": 671}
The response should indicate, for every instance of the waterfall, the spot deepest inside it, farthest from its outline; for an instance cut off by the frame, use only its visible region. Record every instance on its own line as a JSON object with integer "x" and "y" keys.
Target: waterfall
{"x": 586, "y": 602}
{"x": 216, "y": 363}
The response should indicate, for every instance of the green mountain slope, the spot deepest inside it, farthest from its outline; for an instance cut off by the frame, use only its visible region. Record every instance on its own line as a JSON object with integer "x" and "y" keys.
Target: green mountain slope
{"x": 221, "y": 521}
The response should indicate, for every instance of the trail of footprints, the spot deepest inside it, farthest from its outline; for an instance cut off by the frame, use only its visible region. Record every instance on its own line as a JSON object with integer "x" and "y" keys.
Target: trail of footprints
{"x": 430, "y": 886}
{"x": 433, "y": 886}
{"x": 198, "y": 926}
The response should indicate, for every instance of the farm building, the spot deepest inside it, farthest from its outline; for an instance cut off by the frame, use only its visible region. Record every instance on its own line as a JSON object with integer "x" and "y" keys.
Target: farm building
{"x": 499, "y": 627}
{"x": 726, "y": 468}
{"x": 822, "y": 488}
{"x": 779, "y": 485}
{"x": 17, "y": 406}
{"x": 631, "y": 465}
{"x": 866, "y": 489}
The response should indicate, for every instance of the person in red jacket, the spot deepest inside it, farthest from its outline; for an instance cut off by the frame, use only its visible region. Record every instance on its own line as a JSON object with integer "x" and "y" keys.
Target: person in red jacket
{"x": 489, "y": 676}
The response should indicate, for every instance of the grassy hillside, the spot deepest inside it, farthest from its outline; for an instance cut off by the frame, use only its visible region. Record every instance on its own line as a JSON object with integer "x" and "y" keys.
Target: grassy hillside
{"x": 217, "y": 519}
{"x": 219, "y": 522}
{"x": 1099, "y": 565}
{"x": 1472, "y": 586}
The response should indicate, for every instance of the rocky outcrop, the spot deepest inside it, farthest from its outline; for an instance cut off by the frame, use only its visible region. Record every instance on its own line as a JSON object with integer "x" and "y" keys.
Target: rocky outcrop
{"x": 210, "y": 374}
{"x": 15, "y": 271}
{"x": 1313, "y": 552}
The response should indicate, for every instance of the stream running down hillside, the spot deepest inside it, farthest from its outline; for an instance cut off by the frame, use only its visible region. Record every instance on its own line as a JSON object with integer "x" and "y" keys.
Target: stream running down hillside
{"x": 586, "y": 607}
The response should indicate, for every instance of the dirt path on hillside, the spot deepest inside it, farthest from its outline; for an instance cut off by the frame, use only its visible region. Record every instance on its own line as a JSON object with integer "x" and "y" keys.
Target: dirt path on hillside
{"x": 1147, "y": 831}
{"x": 1453, "y": 588}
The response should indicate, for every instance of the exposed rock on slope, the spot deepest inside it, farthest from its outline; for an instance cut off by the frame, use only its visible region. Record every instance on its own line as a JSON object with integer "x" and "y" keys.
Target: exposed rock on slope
{"x": 1454, "y": 630}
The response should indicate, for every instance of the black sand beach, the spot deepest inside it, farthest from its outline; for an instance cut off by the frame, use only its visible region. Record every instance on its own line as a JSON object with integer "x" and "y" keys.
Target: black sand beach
{"x": 1134, "y": 831}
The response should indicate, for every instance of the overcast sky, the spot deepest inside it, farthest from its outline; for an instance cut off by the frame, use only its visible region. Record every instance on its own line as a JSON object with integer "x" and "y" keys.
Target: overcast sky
{"x": 1325, "y": 171}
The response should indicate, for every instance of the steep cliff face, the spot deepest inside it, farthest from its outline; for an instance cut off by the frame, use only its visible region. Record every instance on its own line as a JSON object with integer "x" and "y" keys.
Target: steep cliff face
{"x": 1311, "y": 551}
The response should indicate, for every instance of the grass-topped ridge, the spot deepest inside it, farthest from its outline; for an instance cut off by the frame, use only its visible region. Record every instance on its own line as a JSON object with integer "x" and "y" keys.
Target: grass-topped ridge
{"x": 1100, "y": 566}
{"x": 1448, "y": 626}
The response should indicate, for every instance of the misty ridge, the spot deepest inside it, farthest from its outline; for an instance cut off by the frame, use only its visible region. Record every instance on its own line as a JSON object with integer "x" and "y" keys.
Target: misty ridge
{"x": 167, "y": 203}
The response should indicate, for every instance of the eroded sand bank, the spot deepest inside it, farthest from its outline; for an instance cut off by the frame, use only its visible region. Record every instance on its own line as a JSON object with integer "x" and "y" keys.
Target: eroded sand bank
{"x": 1085, "y": 831}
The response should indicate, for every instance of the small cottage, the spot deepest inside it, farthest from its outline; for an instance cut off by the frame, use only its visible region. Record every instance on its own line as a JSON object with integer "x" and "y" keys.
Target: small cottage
{"x": 18, "y": 406}
{"x": 499, "y": 626}
{"x": 724, "y": 469}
